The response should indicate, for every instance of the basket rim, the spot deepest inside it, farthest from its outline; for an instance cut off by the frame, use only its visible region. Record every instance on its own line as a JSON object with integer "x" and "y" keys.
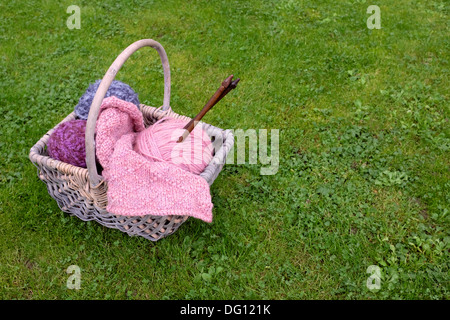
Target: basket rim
{"x": 36, "y": 151}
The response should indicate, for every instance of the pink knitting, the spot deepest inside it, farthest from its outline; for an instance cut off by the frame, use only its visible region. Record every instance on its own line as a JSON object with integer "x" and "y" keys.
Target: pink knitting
{"x": 138, "y": 186}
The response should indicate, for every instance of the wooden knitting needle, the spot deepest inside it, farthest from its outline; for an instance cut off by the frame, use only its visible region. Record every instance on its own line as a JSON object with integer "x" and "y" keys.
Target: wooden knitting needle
{"x": 226, "y": 87}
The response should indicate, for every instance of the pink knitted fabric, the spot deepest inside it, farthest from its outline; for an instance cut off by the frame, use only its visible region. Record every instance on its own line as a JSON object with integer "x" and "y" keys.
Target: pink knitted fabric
{"x": 138, "y": 186}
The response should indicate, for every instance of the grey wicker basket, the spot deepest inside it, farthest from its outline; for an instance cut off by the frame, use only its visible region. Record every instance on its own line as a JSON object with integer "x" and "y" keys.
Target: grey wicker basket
{"x": 83, "y": 192}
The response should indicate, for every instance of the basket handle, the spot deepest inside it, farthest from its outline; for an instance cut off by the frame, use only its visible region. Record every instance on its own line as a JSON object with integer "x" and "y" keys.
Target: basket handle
{"x": 94, "y": 178}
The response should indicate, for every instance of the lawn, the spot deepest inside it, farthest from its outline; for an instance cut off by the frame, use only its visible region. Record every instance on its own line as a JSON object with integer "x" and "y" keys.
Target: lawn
{"x": 364, "y": 145}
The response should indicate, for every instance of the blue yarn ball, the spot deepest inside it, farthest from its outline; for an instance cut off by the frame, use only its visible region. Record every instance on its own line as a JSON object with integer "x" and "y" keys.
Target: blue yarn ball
{"x": 117, "y": 88}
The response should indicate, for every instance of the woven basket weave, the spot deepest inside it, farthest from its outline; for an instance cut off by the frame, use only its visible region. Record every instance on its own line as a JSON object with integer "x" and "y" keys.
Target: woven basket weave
{"x": 83, "y": 192}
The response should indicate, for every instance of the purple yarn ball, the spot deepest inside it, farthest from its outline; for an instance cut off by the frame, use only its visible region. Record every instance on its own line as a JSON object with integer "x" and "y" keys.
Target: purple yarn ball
{"x": 117, "y": 88}
{"x": 67, "y": 143}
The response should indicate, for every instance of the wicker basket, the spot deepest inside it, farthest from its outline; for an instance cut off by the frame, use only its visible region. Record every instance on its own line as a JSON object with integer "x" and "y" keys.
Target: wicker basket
{"x": 83, "y": 192}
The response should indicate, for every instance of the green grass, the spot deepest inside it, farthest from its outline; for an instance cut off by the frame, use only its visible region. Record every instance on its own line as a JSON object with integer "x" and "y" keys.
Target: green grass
{"x": 364, "y": 148}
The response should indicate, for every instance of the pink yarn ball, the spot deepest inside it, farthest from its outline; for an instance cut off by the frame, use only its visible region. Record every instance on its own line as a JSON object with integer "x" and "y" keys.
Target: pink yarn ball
{"x": 67, "y": 143}
{"x": 159, "y": 142}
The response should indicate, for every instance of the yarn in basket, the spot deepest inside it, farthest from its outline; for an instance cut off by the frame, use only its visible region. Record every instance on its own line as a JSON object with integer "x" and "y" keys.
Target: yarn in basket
{"x": 67, "y": 143}
{"x": 159, "y": 142}
{"x": 117, "y": 88}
